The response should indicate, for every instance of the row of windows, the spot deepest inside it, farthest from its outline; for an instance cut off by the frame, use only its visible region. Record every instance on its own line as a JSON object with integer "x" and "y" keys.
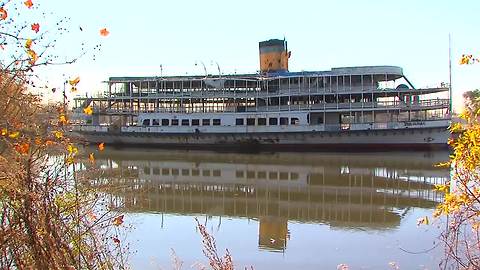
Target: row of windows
{"x": 217, "y": 122}
{"x": 267, "y": 175}
{"x": 263, "y": 121}
{"x": 183, "y": 172}
{"x": 182, "y": 122}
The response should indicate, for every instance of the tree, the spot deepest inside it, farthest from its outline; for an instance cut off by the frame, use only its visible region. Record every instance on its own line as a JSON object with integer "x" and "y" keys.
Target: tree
{"x": 50, "y": 216}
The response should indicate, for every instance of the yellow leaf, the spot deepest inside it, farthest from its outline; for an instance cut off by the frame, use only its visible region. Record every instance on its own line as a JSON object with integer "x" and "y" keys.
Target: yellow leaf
{"x": 62, "y": 119}
{"x": 14, "y": 135}
{"x": 88, "y": 110}
{"x": 72, "y": 150}
{"x": 74, "y": 82}
{"x": 58, "y": 134}
{"x": 91, "y": 158}
{"x": 4, "y": 132}
{"x": 442, "y": 188}
{"x": 28, "y": 43}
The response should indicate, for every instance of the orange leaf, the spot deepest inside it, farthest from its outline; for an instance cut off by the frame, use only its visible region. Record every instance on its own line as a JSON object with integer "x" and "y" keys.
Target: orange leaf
{"x": 36, "y": 27}
{"x": 104, "y": 32}
{"x": 101, "y": 146}
{"x": 28, "y": 3}
{"x": 33, "y": 56}
{"x": 91, "y": 158}
{"x": 118, "y": 220}
{"x": 88, "y": 110}
{"x": 22, "y": 148}
{"x": 74, "y": 82}
{"x": 3, "y": 14}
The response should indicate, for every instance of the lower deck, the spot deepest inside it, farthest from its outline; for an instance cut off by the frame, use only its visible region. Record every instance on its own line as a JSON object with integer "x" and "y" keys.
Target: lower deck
{"x": 414, "y": 138}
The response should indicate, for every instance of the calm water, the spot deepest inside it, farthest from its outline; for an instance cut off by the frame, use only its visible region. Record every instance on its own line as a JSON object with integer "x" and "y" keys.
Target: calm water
{"x": 281, "y": 210}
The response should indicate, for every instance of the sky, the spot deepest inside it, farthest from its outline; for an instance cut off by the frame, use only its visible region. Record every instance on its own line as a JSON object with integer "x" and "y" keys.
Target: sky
{"x": 145, "y": 35}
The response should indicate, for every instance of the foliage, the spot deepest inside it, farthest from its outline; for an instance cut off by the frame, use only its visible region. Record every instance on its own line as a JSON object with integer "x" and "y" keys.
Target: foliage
{"x": 461, "y": 204}
{"x": 216, "y": 261}
{"x": 50, "y": 216}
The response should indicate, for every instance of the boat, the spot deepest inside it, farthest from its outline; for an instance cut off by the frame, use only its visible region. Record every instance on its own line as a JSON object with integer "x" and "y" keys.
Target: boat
{"x": 345, "y": 108}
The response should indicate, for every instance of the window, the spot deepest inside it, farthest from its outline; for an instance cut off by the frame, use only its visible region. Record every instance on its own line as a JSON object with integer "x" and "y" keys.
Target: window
{"x": 273, "y": 121}
{"x": 283, "y": 120}
{"x": 206, "y": 173}
{"x": 239, "y": 174}
{"x": 174, "y": 122}
{"x": 217, "y": 173}
{"x": 205, "y": 122}
{"x": 262, "y": 121}
{"x": 165, "y": 122}
{"x": 155, "y": 122}
{"x": 175, "y": 172}
{"x": 216, "y": 122}
{"x": 185, "y": 172}
{"x": 185, "y": 122}
{"x": 239, "y": 122}
{"x": 294, "y": 121}
{"x": 195, "y": 172}
{"x": 250, "y": 121}
{"x": 146, "y": 122}
{"x": 195, "y": 122}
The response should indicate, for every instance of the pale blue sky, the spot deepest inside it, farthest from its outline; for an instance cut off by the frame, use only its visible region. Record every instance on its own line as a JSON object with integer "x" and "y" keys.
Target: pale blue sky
{"x": 320, "y": 34}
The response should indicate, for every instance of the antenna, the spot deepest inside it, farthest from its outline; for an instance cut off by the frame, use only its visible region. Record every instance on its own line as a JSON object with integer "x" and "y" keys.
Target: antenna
{"x": 450, "y": 73}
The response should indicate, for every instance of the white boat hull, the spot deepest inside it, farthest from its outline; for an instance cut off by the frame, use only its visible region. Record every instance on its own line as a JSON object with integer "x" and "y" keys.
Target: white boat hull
{"x": 384, "y": 140}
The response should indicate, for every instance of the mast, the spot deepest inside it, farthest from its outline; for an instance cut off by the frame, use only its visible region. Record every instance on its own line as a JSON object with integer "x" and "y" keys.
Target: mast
{"x": 450, "y": 74}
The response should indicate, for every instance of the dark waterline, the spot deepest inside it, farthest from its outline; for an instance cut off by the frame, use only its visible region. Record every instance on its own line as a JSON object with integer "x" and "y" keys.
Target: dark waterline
{"x": 279, "y": 210}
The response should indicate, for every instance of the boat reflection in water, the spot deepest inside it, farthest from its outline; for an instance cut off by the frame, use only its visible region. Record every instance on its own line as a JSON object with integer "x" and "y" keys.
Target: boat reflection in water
{"x": 366, "y": 191}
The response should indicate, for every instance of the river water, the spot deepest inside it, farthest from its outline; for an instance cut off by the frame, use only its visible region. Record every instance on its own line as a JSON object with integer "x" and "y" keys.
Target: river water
{"x": 279, "y": 210}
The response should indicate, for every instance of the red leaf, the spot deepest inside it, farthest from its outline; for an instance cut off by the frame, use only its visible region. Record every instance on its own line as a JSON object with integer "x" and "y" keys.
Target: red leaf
{"x": 36, "y": 27}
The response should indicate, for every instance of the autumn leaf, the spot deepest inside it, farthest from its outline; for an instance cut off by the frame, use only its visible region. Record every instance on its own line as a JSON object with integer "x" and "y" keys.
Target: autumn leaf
{"x": 28, "y": 43}
{"x": 3, "y": 14}
{"x": 101, "y": 146}
{"x": 104, "y": 32}
{"x": 118, "y": 220}
{"x": 62, "y": 119}
{"x": 14, "y": 135}
{"x": 74, "y": 82}
{"x": 4, "y": 132}
{"x": 116, "y": 240}
{"x": 33, "y": 56}
{"x": 22, "y": 148}
{"x": 38, "y": 141}
{"x": 88, "y": 110}
{"x": 28, "y": 3}
{"x": 72, "y": 150}
{"x": 58, "y": 134}
{"x": 91, "y": 157}
{"x": 36, "y": 27}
